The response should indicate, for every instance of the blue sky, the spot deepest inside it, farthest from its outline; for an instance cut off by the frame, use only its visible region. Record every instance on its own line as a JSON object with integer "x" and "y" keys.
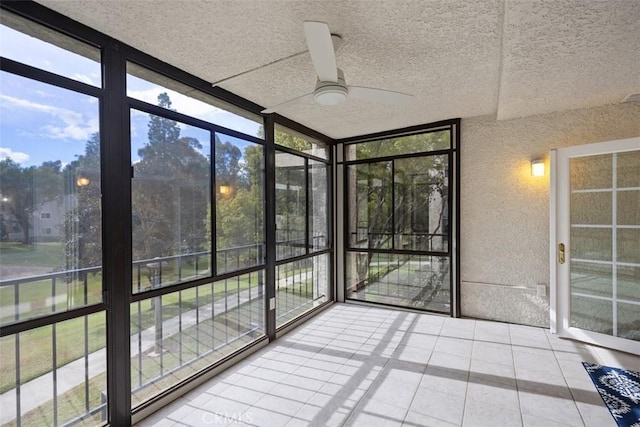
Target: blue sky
{"x": 40, "y": 122}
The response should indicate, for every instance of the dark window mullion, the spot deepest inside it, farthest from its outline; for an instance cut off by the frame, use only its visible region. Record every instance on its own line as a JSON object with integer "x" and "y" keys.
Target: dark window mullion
{"x": 307, "y": 207}
{"x": 393, "y": 204}
{"x": 47, "y": 77}
{"x": 270, "y": 225}
{"x": 213, "y": 205}
{"x": 455, "y": 257}
{"x": 117, "y": 250}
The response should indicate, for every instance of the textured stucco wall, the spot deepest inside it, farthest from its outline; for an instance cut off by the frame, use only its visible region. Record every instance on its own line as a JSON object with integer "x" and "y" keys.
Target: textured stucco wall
{"x": 505, "y": 211}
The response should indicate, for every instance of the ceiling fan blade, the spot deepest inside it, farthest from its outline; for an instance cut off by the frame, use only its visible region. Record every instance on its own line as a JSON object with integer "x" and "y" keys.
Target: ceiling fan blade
{"x": 285, "y": 104}
{"x": 378, "y": 95}
{"x": 321, "y": 50}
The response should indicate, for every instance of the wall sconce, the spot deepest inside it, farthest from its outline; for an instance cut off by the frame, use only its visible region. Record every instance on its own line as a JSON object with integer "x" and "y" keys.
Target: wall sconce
{"x": 537, "y": 168}
{"x": 83, "y": 181}
{"x": 225, "y": 189}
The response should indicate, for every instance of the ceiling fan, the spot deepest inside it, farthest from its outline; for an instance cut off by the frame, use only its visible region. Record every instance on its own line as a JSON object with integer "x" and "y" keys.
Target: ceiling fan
{"x": 331, "y": 88}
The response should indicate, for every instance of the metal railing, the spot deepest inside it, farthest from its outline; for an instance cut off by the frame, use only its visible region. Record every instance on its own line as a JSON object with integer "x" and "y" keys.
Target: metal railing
{"x": 432, "y": 242}
{"x": 193, "y": 325}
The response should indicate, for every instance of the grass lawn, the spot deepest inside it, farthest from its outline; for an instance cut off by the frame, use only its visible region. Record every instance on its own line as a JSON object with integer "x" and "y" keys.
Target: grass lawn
{"x": 36, "y": 344}
{"x": 42, "y": 254}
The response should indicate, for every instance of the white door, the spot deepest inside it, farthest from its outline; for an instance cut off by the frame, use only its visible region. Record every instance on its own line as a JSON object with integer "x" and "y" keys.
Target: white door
{"x": 595, "y": 243}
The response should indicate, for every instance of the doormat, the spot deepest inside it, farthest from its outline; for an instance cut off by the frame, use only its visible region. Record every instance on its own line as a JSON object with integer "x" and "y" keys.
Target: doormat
{"x": 620, "y": 391}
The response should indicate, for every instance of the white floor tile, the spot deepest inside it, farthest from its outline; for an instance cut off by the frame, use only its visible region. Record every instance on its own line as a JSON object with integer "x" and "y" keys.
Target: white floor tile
{"x": 481, "y": 414}
{"x": 369, "y": 366}
{"x": 264, "y": 418}
{"x": 439, "y": 405}
{"x": 415, "y": 419}
{"x": 494, "y": 394}
{"x": 455, "y": 346}
{"x": 562, "y": 410}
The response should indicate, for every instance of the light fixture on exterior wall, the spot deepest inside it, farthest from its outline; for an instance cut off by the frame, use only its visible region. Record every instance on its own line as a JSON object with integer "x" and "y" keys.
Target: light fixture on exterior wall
{"x": 537, "y": 168}
{"x": 82, "y": 181}
{"x": 225, "y": 189}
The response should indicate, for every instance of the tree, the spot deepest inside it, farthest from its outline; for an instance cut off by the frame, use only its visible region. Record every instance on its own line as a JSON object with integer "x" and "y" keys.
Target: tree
{"x": 407, "y": 210}
{"x": 239, "y": 214}
{"x": 4, "y": 230}
{"x": 169, "y": 190}
{"x": 227, "y": 163}
{"x": 83, "y": 220}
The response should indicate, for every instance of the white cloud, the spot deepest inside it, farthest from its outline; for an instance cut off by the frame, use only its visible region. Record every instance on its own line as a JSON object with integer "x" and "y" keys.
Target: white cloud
{"x": 85, "y": 79}
{"x": 16, "y": 156}
{"x": 43, "y": 94}
{"x": 73, "y": 125}
{"x": 181, "y": 103}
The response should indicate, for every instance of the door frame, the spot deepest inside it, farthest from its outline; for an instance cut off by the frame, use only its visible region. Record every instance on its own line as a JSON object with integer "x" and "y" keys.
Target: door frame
{"x": 559, "y": 300}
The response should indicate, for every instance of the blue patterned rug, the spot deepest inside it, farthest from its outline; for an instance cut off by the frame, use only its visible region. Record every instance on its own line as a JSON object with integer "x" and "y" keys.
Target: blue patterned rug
{"x": 620, "y": 390}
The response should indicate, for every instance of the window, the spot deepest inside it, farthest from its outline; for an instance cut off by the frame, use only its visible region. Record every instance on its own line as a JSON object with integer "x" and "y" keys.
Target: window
{"x": 49, "y": 50}
{"x": 197, "y": 213}
{"x": 171, "y": 200}
{"x": 291, "y": 205}
{"x": 161, "y": 189}
{"x": 302, "y": 224}
{"x": 239, "y": 221}
{"x": 146, "y": 85}
{"x": 289, "y": 138}
{"x": 50, "y": 136}
{"x": 179, "y": 333}
{"x": 398, "y": 245}
{"x": 50, "y": 172}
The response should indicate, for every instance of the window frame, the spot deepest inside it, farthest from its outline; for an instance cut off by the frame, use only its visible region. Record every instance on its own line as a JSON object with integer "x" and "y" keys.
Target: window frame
{"x": 452, "y": 174}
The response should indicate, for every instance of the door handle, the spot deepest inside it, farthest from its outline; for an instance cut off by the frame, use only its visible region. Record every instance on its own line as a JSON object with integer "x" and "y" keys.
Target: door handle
{"x": 561, "y": 258}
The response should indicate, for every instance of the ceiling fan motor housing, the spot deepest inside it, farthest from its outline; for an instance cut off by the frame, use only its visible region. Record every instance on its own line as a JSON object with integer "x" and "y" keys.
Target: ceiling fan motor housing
{"x": 331, "y": 93}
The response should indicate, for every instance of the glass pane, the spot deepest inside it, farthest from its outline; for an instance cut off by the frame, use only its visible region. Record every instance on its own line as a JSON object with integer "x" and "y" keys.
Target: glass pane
{"x": 50, "y": 212}
{"x": 318, "y": 203}
{"x": 591, "y": 243}
{"x": 291, "y": 206}
{"x": 300, "y": 286}
{"x": 176, "y": 335}
{"x": 629, "y": 245}
{"x": 628, "y": 207}
{"x": 628, "y": 167}
{"x": 595, "y": 292}
{"x": 591, "y": 172}
{"x": 629, "y": 284}
{"x": 421, "y": 189}
{"x": 370, "y": 205}
{"x": 239, "y": 168}
{"x": 297, "y": 141}
{"x": 628, "y": 321}
{"x": 592, "y": 279}
{"x": 592, "y": 314}
{"x": 424, "y": 142}
{"x": 170, "y": 199}
{"x": 57, "y": 384}
{"x": 591, "y": 208}
{"x": 27, "y": 42}
{"x": 412, "y": 281}
{"x": 146, "y": 85}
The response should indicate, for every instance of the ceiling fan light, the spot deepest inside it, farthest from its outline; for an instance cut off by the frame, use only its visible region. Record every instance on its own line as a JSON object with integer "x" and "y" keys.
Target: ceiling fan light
{"x": 331, "y": 95}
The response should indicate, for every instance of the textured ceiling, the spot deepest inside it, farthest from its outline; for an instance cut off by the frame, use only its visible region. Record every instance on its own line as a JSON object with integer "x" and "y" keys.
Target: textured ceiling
{"x": 459, "y": 58}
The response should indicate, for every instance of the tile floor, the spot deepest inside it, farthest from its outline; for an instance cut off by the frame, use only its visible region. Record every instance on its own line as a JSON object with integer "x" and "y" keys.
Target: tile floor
{"x": 360, "y": 366}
